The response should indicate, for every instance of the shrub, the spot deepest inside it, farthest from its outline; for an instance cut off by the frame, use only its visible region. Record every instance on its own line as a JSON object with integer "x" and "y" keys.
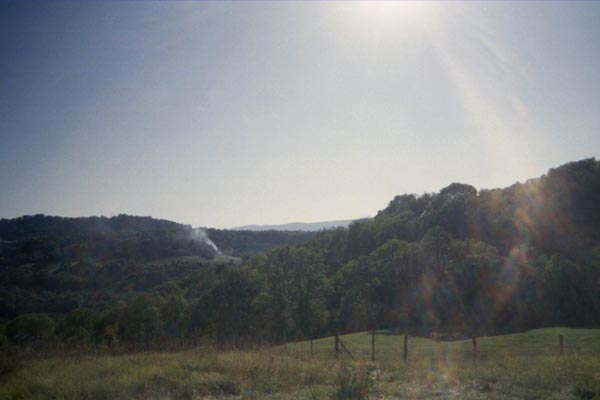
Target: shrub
{"x": 585, "y": 393}
{"x": 29, "y": 328}
{"x": 353, "y": 384}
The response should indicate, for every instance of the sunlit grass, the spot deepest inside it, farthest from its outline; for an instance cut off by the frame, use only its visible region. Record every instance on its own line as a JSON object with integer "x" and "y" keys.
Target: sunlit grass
{"x": 520, "y": 366}
{"x": 179, "y": 375}
{"x": 523, "y": 365}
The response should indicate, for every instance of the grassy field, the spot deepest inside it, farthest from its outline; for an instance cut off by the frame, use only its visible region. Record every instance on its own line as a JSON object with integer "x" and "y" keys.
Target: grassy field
{"x": 518, "y": 366}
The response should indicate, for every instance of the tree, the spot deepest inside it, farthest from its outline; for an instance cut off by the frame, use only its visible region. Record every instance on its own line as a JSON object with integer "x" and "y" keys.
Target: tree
{"x": 77, "y": 326}
{"x": 292, "y": 300}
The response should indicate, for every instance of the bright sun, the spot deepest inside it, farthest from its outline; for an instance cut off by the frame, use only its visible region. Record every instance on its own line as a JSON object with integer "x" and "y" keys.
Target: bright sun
{"x": 395, "y": 9}
{"x": 412, "y": 15}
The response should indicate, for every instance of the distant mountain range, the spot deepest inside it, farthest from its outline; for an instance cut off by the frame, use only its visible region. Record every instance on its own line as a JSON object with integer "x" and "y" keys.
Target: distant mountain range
{"x": 296, "y": 226}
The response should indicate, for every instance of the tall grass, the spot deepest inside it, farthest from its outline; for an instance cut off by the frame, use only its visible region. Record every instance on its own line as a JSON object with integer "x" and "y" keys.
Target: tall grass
{"x": 524, "y": 366}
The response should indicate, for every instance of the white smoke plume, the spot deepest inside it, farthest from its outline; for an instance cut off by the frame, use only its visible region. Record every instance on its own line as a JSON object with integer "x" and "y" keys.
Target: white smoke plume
{"x": 200, "y": 235}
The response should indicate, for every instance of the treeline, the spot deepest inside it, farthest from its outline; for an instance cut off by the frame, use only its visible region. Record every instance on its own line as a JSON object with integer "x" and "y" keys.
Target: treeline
{"x": 454, "y": 263}
{"x": 44, "y": 230}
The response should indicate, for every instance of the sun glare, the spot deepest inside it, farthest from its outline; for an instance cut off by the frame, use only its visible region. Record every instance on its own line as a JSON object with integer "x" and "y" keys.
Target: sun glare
{"x": 393, "y": 11}
{"x": 408, "y": 16}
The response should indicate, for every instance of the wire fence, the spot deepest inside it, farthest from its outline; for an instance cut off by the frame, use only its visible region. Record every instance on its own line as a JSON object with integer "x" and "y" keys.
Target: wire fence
{"x": 384, "y": 346}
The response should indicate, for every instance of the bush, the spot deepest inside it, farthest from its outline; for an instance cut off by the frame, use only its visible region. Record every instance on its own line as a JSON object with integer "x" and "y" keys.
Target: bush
{"x": 223, "y": 386}
{"x": 28, "y": 328}
{"x": 353, "y": 384}
{"x": 586, "y": 393}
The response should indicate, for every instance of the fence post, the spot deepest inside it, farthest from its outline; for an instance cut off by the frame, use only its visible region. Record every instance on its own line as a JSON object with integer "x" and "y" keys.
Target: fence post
{"x": 337, "y": 346}
{"x": 373, "y": 345}
{"x": 405, "y": 349}
{"x": 561, "y": 343}
{"x": 474, "y": 340}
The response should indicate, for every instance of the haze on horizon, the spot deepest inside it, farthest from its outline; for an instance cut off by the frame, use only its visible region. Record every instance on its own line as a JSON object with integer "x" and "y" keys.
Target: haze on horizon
{"x": 236, "y": 113}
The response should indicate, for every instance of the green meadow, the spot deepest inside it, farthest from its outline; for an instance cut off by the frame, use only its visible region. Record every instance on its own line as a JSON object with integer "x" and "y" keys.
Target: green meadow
{"x": 516, "y": 366}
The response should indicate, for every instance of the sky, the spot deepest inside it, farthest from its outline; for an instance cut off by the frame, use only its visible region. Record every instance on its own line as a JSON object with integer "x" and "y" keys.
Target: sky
{"x": 223, "y": 114}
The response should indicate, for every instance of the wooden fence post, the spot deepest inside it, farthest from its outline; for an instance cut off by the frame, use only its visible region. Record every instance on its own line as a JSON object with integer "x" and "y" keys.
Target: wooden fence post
{"x": 561, "y": 343}
{"x": 474, "y": 340}
{"x": 337, "y": 346}
{"x": 373, "y": 346}
{"x": 405, "y": 348}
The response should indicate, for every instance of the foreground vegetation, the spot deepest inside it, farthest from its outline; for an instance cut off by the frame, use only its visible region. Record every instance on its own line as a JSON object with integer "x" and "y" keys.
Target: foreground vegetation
{"x": 518, "y": 366}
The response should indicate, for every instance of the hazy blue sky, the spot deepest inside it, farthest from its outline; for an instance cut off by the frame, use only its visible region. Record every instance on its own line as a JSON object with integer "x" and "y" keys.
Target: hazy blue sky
{"x": 224, "y": 114}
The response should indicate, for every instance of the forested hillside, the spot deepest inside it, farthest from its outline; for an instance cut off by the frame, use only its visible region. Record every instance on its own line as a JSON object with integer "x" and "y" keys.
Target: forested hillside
{"x": 61, "y": 276}
{"x": 246, "y": 243}
{"x": 453, "y": 263}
